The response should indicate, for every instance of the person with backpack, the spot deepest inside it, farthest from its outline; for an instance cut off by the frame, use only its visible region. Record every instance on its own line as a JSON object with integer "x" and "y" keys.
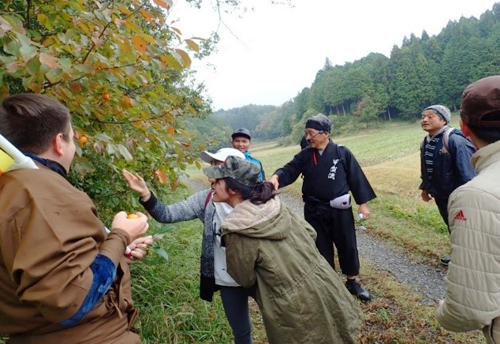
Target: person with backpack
{"x": 330, "y": 172}
{"x": 213, "y": 270}
{"x": 445, "y": 160}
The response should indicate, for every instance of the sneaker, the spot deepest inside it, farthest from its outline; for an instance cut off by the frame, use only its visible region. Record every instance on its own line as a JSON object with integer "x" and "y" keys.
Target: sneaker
{"x": 356, "y": 290}
{"x": 445, "y": 260}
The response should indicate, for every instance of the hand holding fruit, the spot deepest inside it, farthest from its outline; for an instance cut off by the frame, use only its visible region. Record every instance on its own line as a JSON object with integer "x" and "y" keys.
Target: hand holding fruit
{"x": 135, "y": 227}
{"x": 137, "y": 183}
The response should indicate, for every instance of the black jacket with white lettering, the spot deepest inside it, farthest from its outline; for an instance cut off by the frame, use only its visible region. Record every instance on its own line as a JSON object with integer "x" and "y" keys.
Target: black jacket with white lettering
{"x": 329, "y": 175}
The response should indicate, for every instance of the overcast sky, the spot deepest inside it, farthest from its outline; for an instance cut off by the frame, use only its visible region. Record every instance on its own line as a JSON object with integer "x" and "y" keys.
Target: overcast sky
{"x": 269, "y": 55}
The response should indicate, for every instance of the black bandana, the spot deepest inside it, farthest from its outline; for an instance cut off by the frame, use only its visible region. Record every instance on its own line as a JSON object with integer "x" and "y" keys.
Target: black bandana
{"x": 314, "y": 125}
{"x": 319, "y": 122}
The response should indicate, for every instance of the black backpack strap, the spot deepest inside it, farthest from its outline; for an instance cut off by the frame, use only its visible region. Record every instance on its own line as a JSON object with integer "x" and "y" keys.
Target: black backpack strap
{"x": 209, "y": 196}
{"x": 342, "y": 160}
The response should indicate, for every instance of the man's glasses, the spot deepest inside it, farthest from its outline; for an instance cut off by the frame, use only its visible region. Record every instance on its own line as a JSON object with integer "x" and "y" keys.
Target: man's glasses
{"x": 311, "y": 135}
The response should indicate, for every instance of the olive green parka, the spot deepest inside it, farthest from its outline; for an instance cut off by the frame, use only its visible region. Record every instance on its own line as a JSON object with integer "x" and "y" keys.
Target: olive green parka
{"x": 302, "y": 299}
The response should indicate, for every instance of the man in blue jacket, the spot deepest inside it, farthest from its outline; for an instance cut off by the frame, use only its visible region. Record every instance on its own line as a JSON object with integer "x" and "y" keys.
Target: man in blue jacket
{"x": 445, "y": 160}
{"x": 241, "y": 140}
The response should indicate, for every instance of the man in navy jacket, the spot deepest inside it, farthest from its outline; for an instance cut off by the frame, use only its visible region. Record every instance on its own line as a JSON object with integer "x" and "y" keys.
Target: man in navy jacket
{"x": 445, "y": 160}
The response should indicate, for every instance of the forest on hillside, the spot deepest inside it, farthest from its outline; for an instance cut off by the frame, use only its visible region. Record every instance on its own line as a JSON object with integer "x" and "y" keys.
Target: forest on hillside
{"x": 420, "y": 72}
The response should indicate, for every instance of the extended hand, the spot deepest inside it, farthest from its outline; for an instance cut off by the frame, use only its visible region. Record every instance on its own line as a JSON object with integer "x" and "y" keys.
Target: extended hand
{"x": 426, "y": 197}
{"x": 137, "y": 183}
{"x": 274, "y": 181}
{"x": 140, "y": 245}
{"x": 363, "y": 209}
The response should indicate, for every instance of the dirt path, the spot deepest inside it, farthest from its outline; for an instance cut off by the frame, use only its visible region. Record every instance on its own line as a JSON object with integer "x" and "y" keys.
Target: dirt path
{"x": 423, "y": 279}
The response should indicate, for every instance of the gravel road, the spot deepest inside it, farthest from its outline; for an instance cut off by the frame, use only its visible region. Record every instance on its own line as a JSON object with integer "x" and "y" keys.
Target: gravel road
{"x": 423, "y": 279}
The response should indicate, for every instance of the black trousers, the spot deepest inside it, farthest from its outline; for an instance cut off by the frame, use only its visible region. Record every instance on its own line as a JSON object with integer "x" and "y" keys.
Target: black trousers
{"x": 442, "y": 204}
{"x": 335, "y": 226}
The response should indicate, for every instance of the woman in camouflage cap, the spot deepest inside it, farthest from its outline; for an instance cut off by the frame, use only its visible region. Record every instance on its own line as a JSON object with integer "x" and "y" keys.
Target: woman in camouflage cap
{"x": 301, "y": 298}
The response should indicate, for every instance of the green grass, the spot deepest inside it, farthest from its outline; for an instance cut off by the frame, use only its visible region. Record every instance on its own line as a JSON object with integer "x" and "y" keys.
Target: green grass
{"x": 167, "y": 294}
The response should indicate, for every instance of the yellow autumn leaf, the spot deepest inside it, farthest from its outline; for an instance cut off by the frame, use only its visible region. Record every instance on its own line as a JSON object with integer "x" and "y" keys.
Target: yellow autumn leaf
{"x": 193, "y": 45}
{"x": 184, "y": 133}
{"x": 66, "y": 76}
{"x": 34, "y": 86}
{"x": 185, "y": 57}
{"x": 84, "y": 28}
{"x": 163, "y": 3}
{"x": 162, "y": 178}
{"x": 191, "y": 109}
{"x": 148, "y": 38}
{"x": 124, "y": 10}
{"x": 174, "y": 186}
{"x": 171, "y": 130}
{"x": 124, "y": 44}
{"x": 132, "y": 26}
{"x": 149, "y": 18}
{"x": 139, "y": 43}
{"x": 176, "y": 30}
{"x": 49, "y": 60}
{"x": 41, "y": 18}
{"x": 171, "y": 61}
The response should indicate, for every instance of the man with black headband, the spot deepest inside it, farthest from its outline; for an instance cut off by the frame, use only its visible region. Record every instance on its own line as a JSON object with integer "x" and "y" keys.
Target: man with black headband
{"x": 445, "y": 160}
{"x": 330, "y": 172}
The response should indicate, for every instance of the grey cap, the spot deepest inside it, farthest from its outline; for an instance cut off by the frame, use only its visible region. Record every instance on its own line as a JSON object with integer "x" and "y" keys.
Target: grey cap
{"x": 241, "y": 132}
{"x": 441, "y": 110}
{"x": 243, "y": 171}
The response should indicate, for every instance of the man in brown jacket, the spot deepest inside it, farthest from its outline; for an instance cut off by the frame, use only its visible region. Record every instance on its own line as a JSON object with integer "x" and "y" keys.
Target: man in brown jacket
{"x": 63, "y": 279}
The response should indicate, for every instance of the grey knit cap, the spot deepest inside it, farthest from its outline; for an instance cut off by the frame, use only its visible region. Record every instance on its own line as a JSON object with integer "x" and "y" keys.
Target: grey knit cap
{"x": 441, "y": 110}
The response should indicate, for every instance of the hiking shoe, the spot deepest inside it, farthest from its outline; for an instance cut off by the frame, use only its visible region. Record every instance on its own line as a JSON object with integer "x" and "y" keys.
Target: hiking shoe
{"x": 356, "y": 290}
{"x": 445, "y": 260}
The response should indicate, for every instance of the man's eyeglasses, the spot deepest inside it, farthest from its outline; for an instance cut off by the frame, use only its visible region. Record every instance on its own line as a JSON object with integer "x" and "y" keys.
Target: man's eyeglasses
{"x": 313, "y": 135}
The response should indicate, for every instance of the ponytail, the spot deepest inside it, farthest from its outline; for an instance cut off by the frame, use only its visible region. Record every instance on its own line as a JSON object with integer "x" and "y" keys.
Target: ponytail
{"x": 258, "y": 194}
{"x": 262, "y": 192}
